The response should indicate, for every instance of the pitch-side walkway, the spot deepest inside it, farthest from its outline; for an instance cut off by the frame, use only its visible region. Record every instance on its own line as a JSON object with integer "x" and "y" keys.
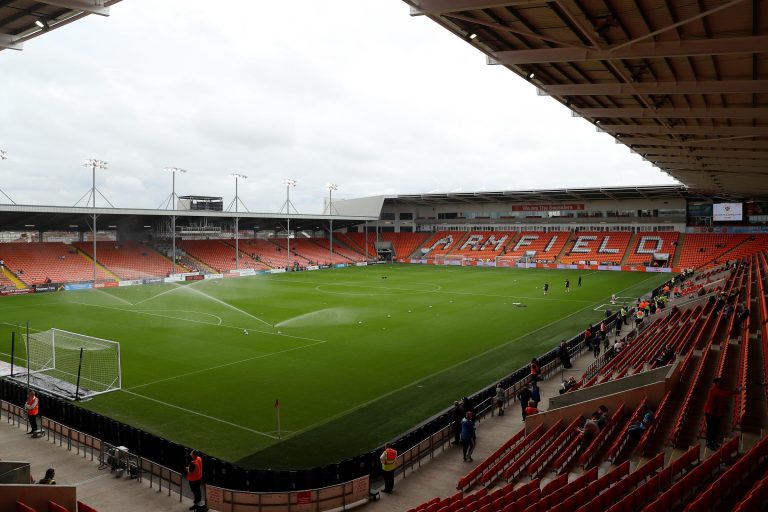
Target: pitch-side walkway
{"x": 97, "y": 488}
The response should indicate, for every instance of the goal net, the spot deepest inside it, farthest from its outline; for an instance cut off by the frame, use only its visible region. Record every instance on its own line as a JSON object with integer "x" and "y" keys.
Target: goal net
{"x": 450, "y": 259}
{"x": 70, "y": 365}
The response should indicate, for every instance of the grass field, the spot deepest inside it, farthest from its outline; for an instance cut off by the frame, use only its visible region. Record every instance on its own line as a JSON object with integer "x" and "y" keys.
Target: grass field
{"x": 356, "y": 356}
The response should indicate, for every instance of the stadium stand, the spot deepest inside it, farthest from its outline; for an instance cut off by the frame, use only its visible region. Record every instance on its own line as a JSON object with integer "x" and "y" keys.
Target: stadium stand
{"x": 546, "y": 246}
{"x": 346, "y": 254}
{"x": 219, "y": 254}
{"x": 41, "y": 262}
{"x": 648, "y": 243}
{"x": 130, "y": 260}
{"x": 484, "y": 245}
{"x": 307, "y": 252}
{"x": 603, "y": 247}
{"x": 700, "y": 250}
{"x": 442, "y": 243}
{"x": 356, "y": 241}
{"x": 405, "y": 245}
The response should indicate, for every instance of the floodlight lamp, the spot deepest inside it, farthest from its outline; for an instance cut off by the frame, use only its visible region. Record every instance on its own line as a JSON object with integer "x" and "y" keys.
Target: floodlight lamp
{"x": 3, "y": 155}
{"x": 531, "y": 75}
{"x": 174, "y": 170}
{"x": 290, "y": 182}
{"x": 239, "y": 176}
{"x": 42, "y": 23}
{"x": 332, "y": 186}
{"x": 29, "y": 225}
{"x": 92, "y": 162}
{"x": 73, "y": 225}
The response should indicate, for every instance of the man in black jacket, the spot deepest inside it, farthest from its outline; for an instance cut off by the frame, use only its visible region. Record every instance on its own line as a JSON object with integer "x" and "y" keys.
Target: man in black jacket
{"x": 458, "y": 415}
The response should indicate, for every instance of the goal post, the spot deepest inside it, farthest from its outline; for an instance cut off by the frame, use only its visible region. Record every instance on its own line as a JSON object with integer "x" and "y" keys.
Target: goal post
{"x": 71, "y": 365}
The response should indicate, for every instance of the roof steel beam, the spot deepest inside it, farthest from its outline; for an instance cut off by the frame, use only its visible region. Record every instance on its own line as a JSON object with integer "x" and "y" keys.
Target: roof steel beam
{"x": 91, "y": 6}
{"x": 10, "y": 42}
{"x": 761, "y": 131}
{"x": 674, "y": 113}
{"x": 703, "y": 87}
{"x": 636, "y": 142}
{"x": 438, "y": 7}
{"x": 662, "y": 49}
{"x": 728, "y": 162}
{"x": 652, "y": 153}
{"x": 733, "y": 169}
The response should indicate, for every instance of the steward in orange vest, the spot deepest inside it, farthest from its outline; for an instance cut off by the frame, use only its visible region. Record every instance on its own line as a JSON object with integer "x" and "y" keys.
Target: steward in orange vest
{"x": 388, "y": 463}
{"x": 195, "y": 478}
{"x": 32, "y": 408}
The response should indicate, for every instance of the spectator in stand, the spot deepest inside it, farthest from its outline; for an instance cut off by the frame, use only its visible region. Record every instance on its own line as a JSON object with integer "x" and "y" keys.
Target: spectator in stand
{"x": 535, "y": 370}
{"x": 535, "y": 393}
{"x": 499, "y": 399}
{"x": 743, "y": 315}
{"x": 468, "y": 437}
{"x": 588, "y": 337}
{"x": 458, "y": 415}
{"x": 727, "y": 312}
{"x": 623, "y": 314}
{"x": 589, "y": 429}
{"x": 603, "y": 330}
{"x": 714, "y": 408}
{"x": 523, "y": 396}
{"x": 637, "y": 428}
{"x": 50, "y": 477}
{"x": 710, "y": 302}
{"x": 665, "y": 356}
{"x": 531, "y": 409}
{"x": 565, "y": 357}
{"x": 618, "y": 346}
{"x": 567, "y": 385}
{"x": 602, "y": 416}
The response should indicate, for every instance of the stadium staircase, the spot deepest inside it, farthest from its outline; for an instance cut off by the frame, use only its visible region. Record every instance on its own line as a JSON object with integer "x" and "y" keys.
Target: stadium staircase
{"x": 630, "y": 248}
{"x": 356, "y": 241}
{"x": 678, "y": 250}
{"x": 99, "y": 266}
{"x": 129, "y": 260}
{"x": 8, "y": 278}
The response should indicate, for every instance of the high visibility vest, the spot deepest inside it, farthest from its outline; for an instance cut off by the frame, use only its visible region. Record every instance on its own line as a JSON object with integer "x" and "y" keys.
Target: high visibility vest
{"x": 640, "y": 314}
{"x": 390, "y": 459}
{"x": 197, "y": 473}
{"x": 32, "y": 406}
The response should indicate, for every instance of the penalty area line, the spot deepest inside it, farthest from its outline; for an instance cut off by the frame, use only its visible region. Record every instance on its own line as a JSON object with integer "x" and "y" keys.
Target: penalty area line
{"x": 189, "y": 411}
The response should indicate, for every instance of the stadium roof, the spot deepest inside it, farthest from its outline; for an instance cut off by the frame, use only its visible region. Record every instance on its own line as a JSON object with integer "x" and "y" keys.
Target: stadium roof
{"x": 21, "y": 20}
{"x": 559, "y": 195}
{"x": 67, "y": 218}
{"x": 683, "y": 83}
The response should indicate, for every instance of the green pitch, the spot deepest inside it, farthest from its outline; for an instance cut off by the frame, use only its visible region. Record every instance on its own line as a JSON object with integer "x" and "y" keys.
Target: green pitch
{"x": 355, "y": 356}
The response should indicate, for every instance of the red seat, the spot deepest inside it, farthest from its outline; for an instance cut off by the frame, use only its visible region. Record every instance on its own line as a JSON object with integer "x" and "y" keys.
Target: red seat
{"x": 23, "y": 507}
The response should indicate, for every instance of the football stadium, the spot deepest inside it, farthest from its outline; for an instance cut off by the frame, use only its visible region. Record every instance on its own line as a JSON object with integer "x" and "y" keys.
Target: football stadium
{"x": 532, "y": 349}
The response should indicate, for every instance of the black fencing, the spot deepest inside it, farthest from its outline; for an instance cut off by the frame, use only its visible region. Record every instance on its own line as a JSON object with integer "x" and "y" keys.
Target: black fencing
{"x": 225, "y": 474}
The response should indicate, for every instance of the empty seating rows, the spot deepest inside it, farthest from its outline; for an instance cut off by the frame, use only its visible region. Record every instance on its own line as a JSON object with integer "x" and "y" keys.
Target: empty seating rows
{"x": 701, "y": 249}
{"x": 545, "y": 247}
{"x": 405, "y": 244}
{"x": 37, "y": 263}
{"x": 307, "y": 252}
{"x": 648, "y": 243}
{"x": 605, "y": 247}
{"x": 484, "y": 245}
{"x": 357, "y": 241}
{"x": 340, "y": 254}
{"x": 129, "y": 260}
{"x": 219, "y": 255}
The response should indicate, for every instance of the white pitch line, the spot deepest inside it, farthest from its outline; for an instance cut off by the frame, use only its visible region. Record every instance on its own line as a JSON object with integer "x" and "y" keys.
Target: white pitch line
{"x": 224, "y": 365}
{"x": 251, "y": 329}
{"x": 160, "y": 294}
{"x": 189, "y": 411}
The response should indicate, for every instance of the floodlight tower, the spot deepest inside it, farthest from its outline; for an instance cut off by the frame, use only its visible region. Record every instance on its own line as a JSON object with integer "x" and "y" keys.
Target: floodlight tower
{"x": 4, "y": 156}
{"x": 287, "y": 205}
{"x": 331, "y": 187}
{"x": 235, "y": 202}
{"x": 171, "y": 201}
{"x": 94, "y": 164}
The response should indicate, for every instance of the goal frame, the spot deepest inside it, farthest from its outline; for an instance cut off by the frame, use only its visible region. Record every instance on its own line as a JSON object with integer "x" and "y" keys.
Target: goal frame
{"x": 61, "y": 382}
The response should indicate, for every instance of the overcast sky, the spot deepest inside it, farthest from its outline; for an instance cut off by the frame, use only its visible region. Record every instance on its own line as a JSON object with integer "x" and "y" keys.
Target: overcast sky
{"x": 353, "y": 92}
